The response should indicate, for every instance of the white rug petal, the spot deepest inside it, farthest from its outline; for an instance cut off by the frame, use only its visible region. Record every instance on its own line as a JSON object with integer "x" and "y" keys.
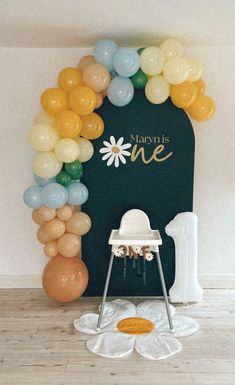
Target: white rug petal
{"x": 154, "y": 346}
{"x": 116, "y": 310}
{"x": 153, "y": 310}
{"x": 111, "y": 344}
{"x": 183, "y": 326}
{"x": 87, "y": 323}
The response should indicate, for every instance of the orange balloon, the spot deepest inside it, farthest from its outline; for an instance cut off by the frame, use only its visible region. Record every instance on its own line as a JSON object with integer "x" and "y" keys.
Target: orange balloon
{"x": 54, "y": 100}
{"x": 42, "y": 235}
{"x": 68, "y": 124}
{"x": 65, "y": 279}
{"x": 46, "y": 213}
{"x": 69, "y": 245}
{"x": 79, "y": 223}
{"x": 99, "y": 100}
{"x": 201, "y": 86}
{"x": 37, "y": 218}
{"x": 92, "y": 126}
{"x": 54, "y": 228}
{"x": 69, "y": 78}
{"x": 183, "y": 95}
{"x": 64, "y": 213}
{"x": 96, "y": 76}
{"x": 202, "y": 109}
{"x": 86, "y": 61}
{"x": 82, "y": 100}
{"x": 50, "y": 249}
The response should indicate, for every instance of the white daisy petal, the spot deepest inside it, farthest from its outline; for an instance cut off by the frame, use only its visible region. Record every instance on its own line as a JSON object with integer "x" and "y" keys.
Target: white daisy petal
{"x": 118, "y": 309}
{"x": 120, "y": 141}
{"x": 104, "y": 150}
{"x": 183, "y": 326}
{"x": 112, "y": 141}
{"x": 154, "y": 346}
{"x": 111, "y": 344}
{"x": 122, "y": 159}
{"x": 107, "y": 144}
{"x": 154, "y": 310}
{"x": 111, "y": 160}
{"x": 126, "y": 153}
{"x": 106, "y": 156}
{"x": 87, "y": 323}
{"x": 116, "y": 161}
{"x": 125, "y": 146}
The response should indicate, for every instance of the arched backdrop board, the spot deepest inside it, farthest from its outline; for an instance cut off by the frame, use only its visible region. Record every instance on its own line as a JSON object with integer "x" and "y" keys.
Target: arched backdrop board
{"x": 161, "y": 189}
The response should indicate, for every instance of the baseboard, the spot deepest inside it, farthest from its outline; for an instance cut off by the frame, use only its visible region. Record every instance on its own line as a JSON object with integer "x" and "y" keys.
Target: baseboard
{"x": 217, "y": 281}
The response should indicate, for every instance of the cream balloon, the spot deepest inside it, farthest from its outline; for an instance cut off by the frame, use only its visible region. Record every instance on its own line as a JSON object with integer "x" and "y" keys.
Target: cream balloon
{"x": 50, "y": 249}
{"x": 152, "y": 61}
{"x": 64, "y": 213}
{"x": 43, "y": 137}
{"x": 171, "y": 48}
{"x": 86, "y": 149}
{"x": 157, "y": 90}
{"x": 43, "y": 118}
{"x": 67, "y": 150}
{"x": 69, "y": 245}
{"x": 195, "y": 70}
{"x": 176, "y": 70}
{"x": 46, "y": 165}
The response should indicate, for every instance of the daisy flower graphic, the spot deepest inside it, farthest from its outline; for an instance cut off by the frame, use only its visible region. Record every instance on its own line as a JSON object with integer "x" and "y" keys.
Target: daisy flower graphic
{"x": 114, "y": 152}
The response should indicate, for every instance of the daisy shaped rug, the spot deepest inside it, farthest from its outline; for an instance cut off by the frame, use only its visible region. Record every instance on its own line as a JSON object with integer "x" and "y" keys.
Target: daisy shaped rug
{"x": 144, "y": 328}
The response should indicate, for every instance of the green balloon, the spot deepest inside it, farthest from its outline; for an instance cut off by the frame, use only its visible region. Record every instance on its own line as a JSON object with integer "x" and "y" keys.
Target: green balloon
{"x": 139, "y": 80}
{"x": 74, "y": 169}
{"x": 63, "y": 178}
{"x": 140, "y": 50}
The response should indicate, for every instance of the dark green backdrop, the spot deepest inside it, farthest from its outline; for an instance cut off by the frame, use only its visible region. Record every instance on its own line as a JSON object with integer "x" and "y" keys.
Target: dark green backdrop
{"x": 160, "y": 189}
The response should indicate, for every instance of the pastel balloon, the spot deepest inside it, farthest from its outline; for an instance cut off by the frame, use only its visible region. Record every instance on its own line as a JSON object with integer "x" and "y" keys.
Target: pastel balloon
{"x": 37, "y": 218}
{"x": 69, "y": 245}
{"x": 86, "y": 61}
{"x": 43, "y": 118}
{"x": 176, "y": 70}
{"x": 50, "y": 249}
{"x": 69, "y": 78}
{"x": 63, "y": 178}
{"x": 77, "y": 193}
{"x": 99, "y": 100}
{"x": 152, "y": 61}
{"x": 104, "y": 53}
{"x": 46, "y": 165}
{"x": 78, "y": 224}
{"x": 126, "y": 62}
{"x": 54, "y": 228}
{"x": 92, "y": 126}
{"x": 42, "y": 181}
{"x": 202, "y": 109}
{"x": 120, "y": 91}
{"x": 42, "y": 235}
{"x": 157, "y": 90}
{"x": 54, "y": 100}
{"x": 64, "y": 213}
{"x": 96, "y": 76}
{"x": 183, "y": 95}
{"x": 74, "y": 169}
{"x": 54, "y": 195}
{"x": 65, "y": 279}
{"x": 200, "y": 85}
{"x": 43, "y": 137}
{"x": 82, "y": 100}
{"x": 171, "y": 48}
{"x": 139, "y": 80}
{"x": 46, "y": 213}
{"x": 66, "y": 150}
{"x": 33, "y": 197}
{"x": 195, "y": 70}
{"x": 86, "y": 149}
{"x": 68, "y": 124}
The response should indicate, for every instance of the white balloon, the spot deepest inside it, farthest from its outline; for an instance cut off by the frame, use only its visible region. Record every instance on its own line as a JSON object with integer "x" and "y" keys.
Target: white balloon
{"x": 46, "y": 165}
{"x": 86, "y": 149}
{"x": 176, "y": 70}
{"x": 67, "y": 150}
{"x": 152, "y": 61}
{"x": 157, "y": 90}
{"x": 171, "y": 48}
{"x": 195, "y": 70}
{"x": 43, "y": 137}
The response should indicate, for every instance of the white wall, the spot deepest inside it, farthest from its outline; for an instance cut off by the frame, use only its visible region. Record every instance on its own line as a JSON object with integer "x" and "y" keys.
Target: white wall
{"x": 25, "y": 73}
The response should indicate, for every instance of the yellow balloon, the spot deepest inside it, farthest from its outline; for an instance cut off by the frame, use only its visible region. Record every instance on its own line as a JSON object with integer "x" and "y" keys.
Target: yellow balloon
{"x": 43, "y": 137}
{"x": 152, "y": 61}
{"x": 92, "y": 126}
{"x": 200, "y": 84}
{"x": 183, "y": 95}
{"x": 157, "y": 90}
{"x": 82, "y": 100}
{"x": 68, "y": 124}
{"x": 67, "y": 150}
{"x": 86, "y": 149}
{"x": 202, "y": 109}
{"x": 171, "y": 48}
{"x": 46, "y": 165}
{"x": 54, "y": 100}
{"x": 176, "y": 70}
{"x": 43, "y": 118}
{"x": 70, "y": 78}
{"x": 195, "y": 70}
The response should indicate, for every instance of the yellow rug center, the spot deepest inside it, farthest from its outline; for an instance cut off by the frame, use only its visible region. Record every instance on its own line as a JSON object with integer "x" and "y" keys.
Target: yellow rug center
{"x": 115, "y": 150}
{"x": 135, "y": 325}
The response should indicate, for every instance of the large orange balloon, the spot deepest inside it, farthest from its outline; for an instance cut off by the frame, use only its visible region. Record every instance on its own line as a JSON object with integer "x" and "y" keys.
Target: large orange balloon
{"x": 54, "y": 228}
{"x": 65, "y": 279}
{"x": 202, "y": 109}
{"x": 54, "y": 100}
{"x": 68, "y": 124}
{"x": 69, "y": 78}
{"x": 82, "y": 100}
{"x": 68, "y": 245}
{"x": 183, "y": 95}
{"x": 78, "y": 224}
{"x": 96, "y": 76}
{"x": 92, "y": 126}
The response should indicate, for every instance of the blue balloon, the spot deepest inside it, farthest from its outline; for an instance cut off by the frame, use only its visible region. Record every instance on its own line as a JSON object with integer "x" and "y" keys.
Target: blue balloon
{"x": 120, "y": 91}
{"x": 104, "y": 52}
{"x": 33, "y": 197}
{"x": 54, "y": 195}
{"x": 126, "y": 62}
{"x": 42, "y": 181}
{"x": 77, "y": 193}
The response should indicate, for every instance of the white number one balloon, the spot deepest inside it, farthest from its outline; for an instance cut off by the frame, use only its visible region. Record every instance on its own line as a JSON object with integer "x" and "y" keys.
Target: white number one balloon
{"x": 183, "y": 230}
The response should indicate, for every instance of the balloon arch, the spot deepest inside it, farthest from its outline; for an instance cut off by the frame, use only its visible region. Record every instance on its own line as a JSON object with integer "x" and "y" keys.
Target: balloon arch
{"x": 63, "y": 134}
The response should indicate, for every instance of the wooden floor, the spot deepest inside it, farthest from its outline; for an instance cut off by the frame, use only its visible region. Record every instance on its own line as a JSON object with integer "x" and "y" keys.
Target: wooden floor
{"x": 40, "y": 347}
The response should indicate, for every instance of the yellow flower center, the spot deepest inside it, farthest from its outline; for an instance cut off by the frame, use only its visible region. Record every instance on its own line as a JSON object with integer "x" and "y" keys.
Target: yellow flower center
{"x": 135, "y": 325}
{"x": 115, "y": 149}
